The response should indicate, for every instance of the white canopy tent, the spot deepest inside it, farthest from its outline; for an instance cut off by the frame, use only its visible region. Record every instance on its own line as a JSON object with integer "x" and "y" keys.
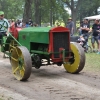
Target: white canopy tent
{"x": 93, "y": 17}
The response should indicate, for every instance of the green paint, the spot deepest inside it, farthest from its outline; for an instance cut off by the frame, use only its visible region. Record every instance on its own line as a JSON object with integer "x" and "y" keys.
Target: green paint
{"x": 40, "y": 52}
{"x": 33, "y": 34}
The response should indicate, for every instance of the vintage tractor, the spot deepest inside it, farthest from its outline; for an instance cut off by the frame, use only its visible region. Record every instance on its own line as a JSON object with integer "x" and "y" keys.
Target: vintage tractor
{"x": 41, "y": 46}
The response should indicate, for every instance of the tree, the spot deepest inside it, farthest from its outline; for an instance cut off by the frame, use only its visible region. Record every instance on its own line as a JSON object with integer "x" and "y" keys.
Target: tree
{"x": 27, "y": 10}
{"x": 73, "y": 5}
{"x": 88, "y": 8}
{"x": 12, "y": 8}
{"x": 49, "y": 11}
{"x": 37, "y": 12}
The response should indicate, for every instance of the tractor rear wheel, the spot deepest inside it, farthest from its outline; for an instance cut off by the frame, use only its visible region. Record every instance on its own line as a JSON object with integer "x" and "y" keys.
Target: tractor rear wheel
{"x": 21, "y": 63}
{"x": 77, "y": 62}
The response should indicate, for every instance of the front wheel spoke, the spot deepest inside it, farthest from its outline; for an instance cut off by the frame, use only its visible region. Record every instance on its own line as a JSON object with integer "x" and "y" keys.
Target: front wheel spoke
{"x": 14, "y": 59}
{"x": 23, "y": 68}
{"x": 17, "y": 52}
{"x": 15, "y": 70}
{"x": 21, "y": 72}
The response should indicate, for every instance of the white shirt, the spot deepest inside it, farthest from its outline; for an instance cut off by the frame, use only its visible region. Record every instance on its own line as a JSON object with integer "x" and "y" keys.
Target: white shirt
{"x": 19, "y": 25}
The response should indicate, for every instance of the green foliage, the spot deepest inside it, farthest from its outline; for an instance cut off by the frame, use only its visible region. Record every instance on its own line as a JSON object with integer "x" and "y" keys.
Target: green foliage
{"x": 59, "y": 13}
{"x": 12, "y": 8}
{"x": 15, "y": 8}
{"x": 51, "y": 10}
{"x": 88, "y": 8}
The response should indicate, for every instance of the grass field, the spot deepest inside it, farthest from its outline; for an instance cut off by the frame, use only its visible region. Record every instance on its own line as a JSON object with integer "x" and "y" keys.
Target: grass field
{"x": 92, "y": 62}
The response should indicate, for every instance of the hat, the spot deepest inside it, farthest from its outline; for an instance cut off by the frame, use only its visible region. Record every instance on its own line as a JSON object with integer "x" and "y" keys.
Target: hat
{"x": 1, "y": 13}
{"x": 69, "y": 18}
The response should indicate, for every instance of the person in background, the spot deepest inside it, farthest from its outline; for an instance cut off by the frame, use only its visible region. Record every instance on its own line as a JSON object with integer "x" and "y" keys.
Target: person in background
{"x": 12, "y": 26}
{"x": 19, "y": 23}
{"x": 96, "y": 31}
{"x": 23, "y": 25}
{"x": 30, "y": 22}
{"x": 70, "y": 26}
{"x": 27, "y": 24}
{"x": 85, "y": 28}
{"x": 99, "y": 44}
{"x": 79, "y": 30}
{"x": 81, "y": 40}
{"x": 12, "y": 22}
{"x": 4, "y": 26}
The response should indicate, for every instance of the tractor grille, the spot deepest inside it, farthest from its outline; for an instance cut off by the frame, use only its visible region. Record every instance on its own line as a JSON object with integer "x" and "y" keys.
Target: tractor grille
{"x": 60, "y": 40}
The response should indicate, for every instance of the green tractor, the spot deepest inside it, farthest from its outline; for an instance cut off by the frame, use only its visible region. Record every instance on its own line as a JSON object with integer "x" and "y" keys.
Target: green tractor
{"x": 41, "y": 46}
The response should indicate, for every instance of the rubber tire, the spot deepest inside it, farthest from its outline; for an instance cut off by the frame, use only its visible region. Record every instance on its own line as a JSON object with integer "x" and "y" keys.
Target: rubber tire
{"x": 22, "y": 53}
{"x": 79, "y": 59}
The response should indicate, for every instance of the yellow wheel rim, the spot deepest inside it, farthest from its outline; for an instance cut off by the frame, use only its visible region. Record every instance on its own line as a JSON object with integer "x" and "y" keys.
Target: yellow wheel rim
{"x": 17, "y": 62}
{"x": 72, "y": 68}
{"x": 21, "y": 62}
{"x": 12, "y": 45}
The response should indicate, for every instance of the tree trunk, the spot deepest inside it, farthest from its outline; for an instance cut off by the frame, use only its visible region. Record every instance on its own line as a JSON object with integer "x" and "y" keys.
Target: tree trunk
{"x": 51, "y": 17}
{"x": 74, "y": 16}
{"x": 37, "y": 10}
{"x": 51, "y": 11}
{"x": 27, "y": 10}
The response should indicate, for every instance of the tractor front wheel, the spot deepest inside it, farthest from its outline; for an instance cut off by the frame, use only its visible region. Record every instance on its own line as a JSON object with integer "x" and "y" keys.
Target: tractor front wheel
{"x": 21, "y": 63}
{"x": 77, "y": 62}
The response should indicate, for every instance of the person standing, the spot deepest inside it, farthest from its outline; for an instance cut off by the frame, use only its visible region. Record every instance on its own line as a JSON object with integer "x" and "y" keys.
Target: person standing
{"x": 96, "y": 31}
{"x": 85, "y": 28}
{"x": 70, "y": 26}
{"x": 4, "y": 26}
{"x": 98, "y": 44}
{"x": 79, "y": 30}
{"x": 30, "y": 22}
